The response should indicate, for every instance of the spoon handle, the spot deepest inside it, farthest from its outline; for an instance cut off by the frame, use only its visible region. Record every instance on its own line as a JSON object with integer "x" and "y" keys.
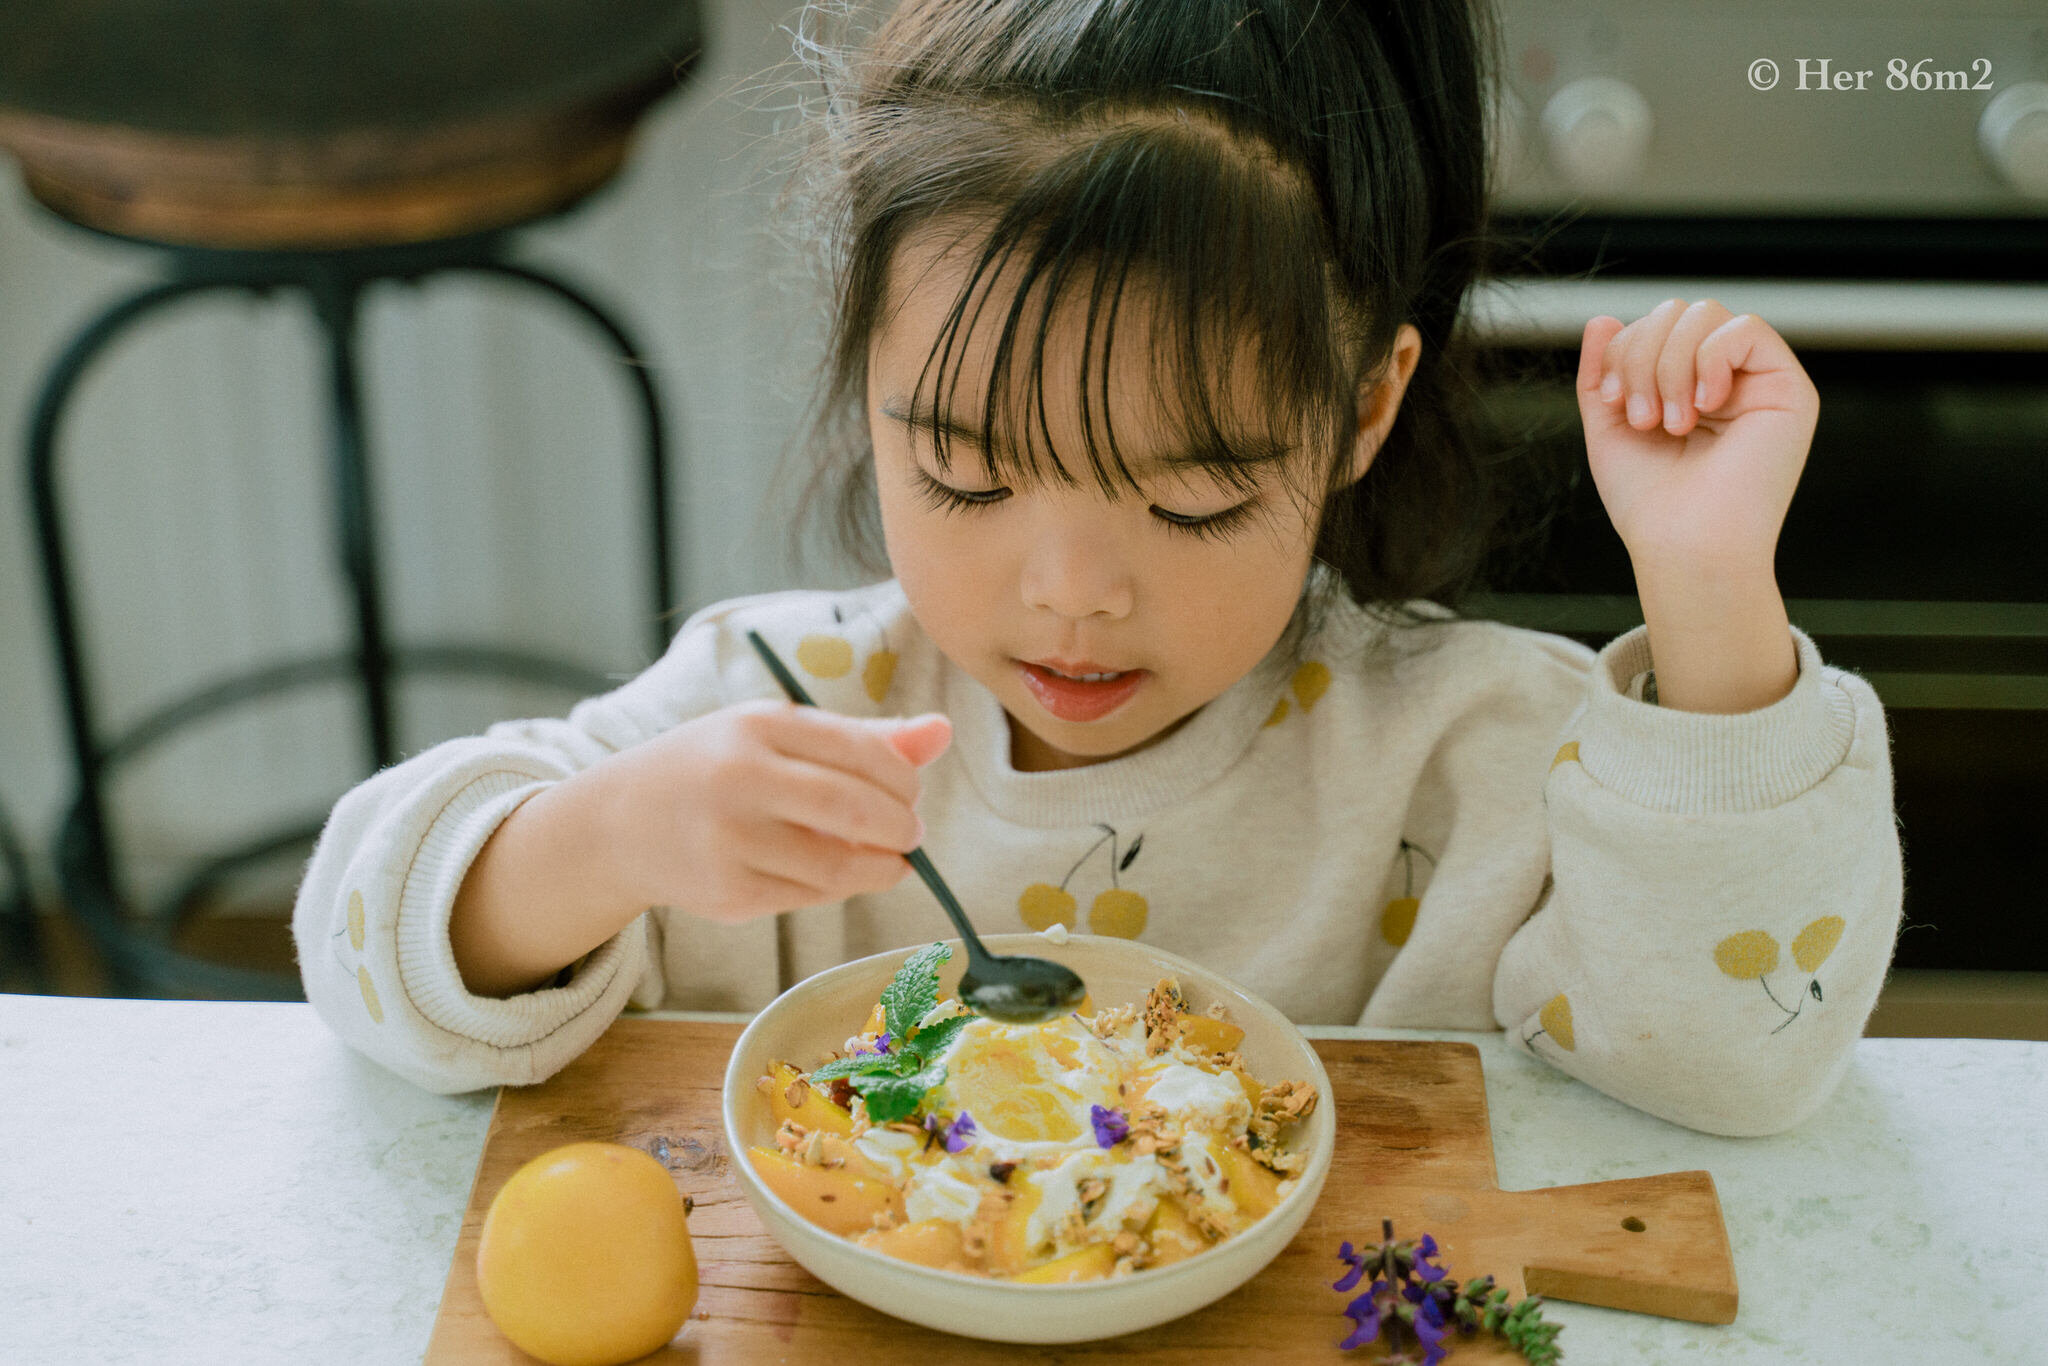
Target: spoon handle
{"x": 923, "y": 864}
{"x": 916, "y": 857}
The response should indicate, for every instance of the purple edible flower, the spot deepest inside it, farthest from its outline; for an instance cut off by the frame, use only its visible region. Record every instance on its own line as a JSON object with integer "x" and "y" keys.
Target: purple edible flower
{"x": 1365, "y": 1312}
{"x": 960, "y": 1132}
{"x": 1345, "y": 1253}
{"x": 1111, "y": 1128}
{"x": 1431, "y": 1328}
{"x": 1424, "y": 1249}
{"x": 881, "y": 1047}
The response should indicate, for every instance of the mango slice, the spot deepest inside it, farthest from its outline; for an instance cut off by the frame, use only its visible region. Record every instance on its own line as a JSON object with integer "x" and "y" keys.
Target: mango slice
{"x": 1008, "y": 1251}
{"x": 834, "y": 1199}
{"x": 814, "y": 1111}
{"x": 928, "y": 1242}
{"x": 1209, "y": 1035}
{"x": 1172, "y": 1234}
{"x": 1253, "y": 1188}
{"x": 1090, "y": 1263}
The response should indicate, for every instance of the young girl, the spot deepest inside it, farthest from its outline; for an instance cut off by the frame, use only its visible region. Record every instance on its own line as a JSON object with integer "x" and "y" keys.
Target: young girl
{"x": 1144, "y": 354}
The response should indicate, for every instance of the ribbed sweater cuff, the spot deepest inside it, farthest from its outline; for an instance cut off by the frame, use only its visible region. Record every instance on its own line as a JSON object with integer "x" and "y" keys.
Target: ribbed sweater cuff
{"x": 1696, "y": 763}
{"x": 426, "y": 960}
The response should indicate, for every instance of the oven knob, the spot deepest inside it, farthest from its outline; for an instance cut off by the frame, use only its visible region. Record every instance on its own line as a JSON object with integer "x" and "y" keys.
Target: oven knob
{"x": 2014, "y": 134}
{"x": 1597, "y": 129}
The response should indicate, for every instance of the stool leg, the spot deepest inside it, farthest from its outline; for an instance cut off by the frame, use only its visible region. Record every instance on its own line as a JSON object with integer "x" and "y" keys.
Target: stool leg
{"x": 21, "y": 951}
{"x": 336, "y": 300}
{"x": 44, "y": 422}
{"x": 656, "y": 465}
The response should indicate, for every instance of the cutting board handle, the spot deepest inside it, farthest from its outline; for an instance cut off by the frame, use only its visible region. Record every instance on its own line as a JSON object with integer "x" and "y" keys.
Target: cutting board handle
{"x": 1667, "y": 1232}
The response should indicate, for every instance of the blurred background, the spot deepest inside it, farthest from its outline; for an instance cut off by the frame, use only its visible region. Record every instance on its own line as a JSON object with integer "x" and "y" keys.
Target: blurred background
{"x": 383, "y": 175}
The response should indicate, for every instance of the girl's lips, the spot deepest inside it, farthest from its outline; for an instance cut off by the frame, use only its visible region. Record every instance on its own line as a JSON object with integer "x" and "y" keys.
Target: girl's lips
{"x": 1070, "y": 699}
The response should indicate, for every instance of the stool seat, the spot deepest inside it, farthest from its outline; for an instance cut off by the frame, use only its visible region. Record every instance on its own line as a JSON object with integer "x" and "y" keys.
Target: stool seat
{"x": 328, "y": 124}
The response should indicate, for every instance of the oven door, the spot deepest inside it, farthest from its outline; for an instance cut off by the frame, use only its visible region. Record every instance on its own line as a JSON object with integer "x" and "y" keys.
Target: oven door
{"x": 1915, "y": 553}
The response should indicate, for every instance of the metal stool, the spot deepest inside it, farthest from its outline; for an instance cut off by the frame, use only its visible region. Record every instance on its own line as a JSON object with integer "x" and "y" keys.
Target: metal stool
{"x": 21, "y": 950}
{"x": 322, "y": 146}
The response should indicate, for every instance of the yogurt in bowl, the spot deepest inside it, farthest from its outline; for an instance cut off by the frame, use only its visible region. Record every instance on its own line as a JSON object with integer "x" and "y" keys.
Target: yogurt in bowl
{"x": 1096, "y": 1174}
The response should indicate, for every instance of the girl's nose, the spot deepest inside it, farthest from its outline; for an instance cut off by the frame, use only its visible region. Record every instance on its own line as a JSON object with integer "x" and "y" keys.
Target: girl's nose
{"x": 1074, "y": 572}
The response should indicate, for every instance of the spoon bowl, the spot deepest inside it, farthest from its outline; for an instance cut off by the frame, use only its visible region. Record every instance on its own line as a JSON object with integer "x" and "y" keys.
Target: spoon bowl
{"x": 1013, "y": 988}
{"x": 1027, "y": 994}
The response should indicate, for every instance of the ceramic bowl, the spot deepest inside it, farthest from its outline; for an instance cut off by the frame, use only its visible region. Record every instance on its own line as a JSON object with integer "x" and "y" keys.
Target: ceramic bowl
{"x": 820, "y": 1013}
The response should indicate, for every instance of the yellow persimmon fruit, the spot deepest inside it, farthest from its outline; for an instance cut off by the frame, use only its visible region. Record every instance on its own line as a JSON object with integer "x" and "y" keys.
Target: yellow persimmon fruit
{"x": 585, "y": 1258}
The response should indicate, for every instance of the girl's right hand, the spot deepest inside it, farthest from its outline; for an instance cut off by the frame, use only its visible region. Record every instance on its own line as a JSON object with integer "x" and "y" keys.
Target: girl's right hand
{"x": 765, "y": 806}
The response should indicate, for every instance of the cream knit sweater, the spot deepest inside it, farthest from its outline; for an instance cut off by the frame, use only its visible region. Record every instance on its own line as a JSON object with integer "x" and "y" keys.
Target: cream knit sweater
{"x": 1462, "y": 825}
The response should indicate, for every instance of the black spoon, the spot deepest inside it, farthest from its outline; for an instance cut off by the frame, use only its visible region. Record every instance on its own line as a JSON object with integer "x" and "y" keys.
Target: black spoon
{"x": 1011, "y": 988}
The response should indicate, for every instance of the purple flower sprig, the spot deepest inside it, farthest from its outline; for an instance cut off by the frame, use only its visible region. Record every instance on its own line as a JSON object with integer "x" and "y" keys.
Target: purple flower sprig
{"x": 954, "y": 1136}
{"x": 881, "y": 1047}
{"x": 1111, "y": 1128}
{"x": 1415, "y": 1304}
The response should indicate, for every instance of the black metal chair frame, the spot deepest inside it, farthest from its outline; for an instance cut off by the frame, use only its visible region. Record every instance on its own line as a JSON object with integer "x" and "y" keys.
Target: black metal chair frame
{"x": 21, "y": 952}
{"x": 140, "y": 952}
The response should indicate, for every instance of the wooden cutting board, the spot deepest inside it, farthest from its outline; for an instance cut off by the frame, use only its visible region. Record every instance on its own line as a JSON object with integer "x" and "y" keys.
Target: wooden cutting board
{"x": 1412, "y": 1146}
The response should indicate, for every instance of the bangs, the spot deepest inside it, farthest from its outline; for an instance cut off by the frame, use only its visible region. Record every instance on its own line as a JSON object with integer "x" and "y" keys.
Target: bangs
{"x": 1226, "y": 250}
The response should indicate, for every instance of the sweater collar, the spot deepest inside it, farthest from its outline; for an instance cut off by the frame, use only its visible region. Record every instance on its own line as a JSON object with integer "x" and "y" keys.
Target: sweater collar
{"x": 1127, "y": 789}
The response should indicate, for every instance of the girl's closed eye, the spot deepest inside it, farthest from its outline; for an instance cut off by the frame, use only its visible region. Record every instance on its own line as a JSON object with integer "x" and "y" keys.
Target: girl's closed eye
{"x": 943, "y": 497}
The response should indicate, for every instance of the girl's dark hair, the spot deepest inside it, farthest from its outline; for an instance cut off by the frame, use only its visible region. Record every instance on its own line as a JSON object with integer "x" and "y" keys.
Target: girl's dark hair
{"x": 1288, "y": 180}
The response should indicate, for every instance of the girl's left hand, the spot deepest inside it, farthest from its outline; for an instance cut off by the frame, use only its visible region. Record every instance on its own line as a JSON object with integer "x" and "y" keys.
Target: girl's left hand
{"x": 1697, "y": 426}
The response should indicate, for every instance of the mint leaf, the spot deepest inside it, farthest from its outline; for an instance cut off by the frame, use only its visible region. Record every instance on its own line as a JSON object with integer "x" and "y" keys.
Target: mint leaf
{"x": 914, "y": 990}
{"x": 935, "y": 1038}
{"x": 893, "y": 1098}
{"x": 844, "y": 1067}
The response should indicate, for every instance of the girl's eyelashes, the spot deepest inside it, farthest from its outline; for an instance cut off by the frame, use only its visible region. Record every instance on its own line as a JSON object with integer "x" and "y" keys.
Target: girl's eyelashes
{"x": 945, "y": 498}
{"x": 1217, "y": 524}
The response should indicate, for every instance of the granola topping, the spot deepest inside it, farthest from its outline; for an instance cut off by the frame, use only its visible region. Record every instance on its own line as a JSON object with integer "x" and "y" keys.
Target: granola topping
{"x": 1116, "y": 1129}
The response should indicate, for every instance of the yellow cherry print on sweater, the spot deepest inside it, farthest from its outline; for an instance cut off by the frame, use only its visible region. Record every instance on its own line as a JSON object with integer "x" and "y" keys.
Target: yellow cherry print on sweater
{"x": 1755, "y": 954}
{"x": 1311, "y": 681}
{"x": 1556, "y": 1019}
{"x": 1752, "y": 953}
{"x": 1397, "y": 917}
{"x": 825, "y": 656}
{"x": 1117, "y": 911}
{"x": 1816, "y": 942}
{"x": 355, "y": 920}
{"x": 1397, "y": 920}
{"x": 1043, "y": 905}
{"x": 1567, "y": 753}
{"x": 370, "y": 1001}
{"x": 877, "y": 672}
{"x": 1120, "y": 912}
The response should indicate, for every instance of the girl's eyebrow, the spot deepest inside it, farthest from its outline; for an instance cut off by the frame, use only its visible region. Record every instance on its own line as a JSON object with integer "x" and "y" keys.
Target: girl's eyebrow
{"x": 1258, "y": 451}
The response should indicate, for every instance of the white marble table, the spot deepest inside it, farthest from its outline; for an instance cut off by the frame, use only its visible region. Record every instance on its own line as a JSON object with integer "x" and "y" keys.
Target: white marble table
{"x": 200, "y": 1182}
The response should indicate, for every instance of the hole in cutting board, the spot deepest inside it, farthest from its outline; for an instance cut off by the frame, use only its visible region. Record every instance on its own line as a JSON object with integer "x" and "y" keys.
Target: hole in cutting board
{"x": 1633, "y": 1224}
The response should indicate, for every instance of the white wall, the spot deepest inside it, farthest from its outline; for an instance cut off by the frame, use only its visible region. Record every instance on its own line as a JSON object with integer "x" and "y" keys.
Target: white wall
{"x": 505, "y": 453}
